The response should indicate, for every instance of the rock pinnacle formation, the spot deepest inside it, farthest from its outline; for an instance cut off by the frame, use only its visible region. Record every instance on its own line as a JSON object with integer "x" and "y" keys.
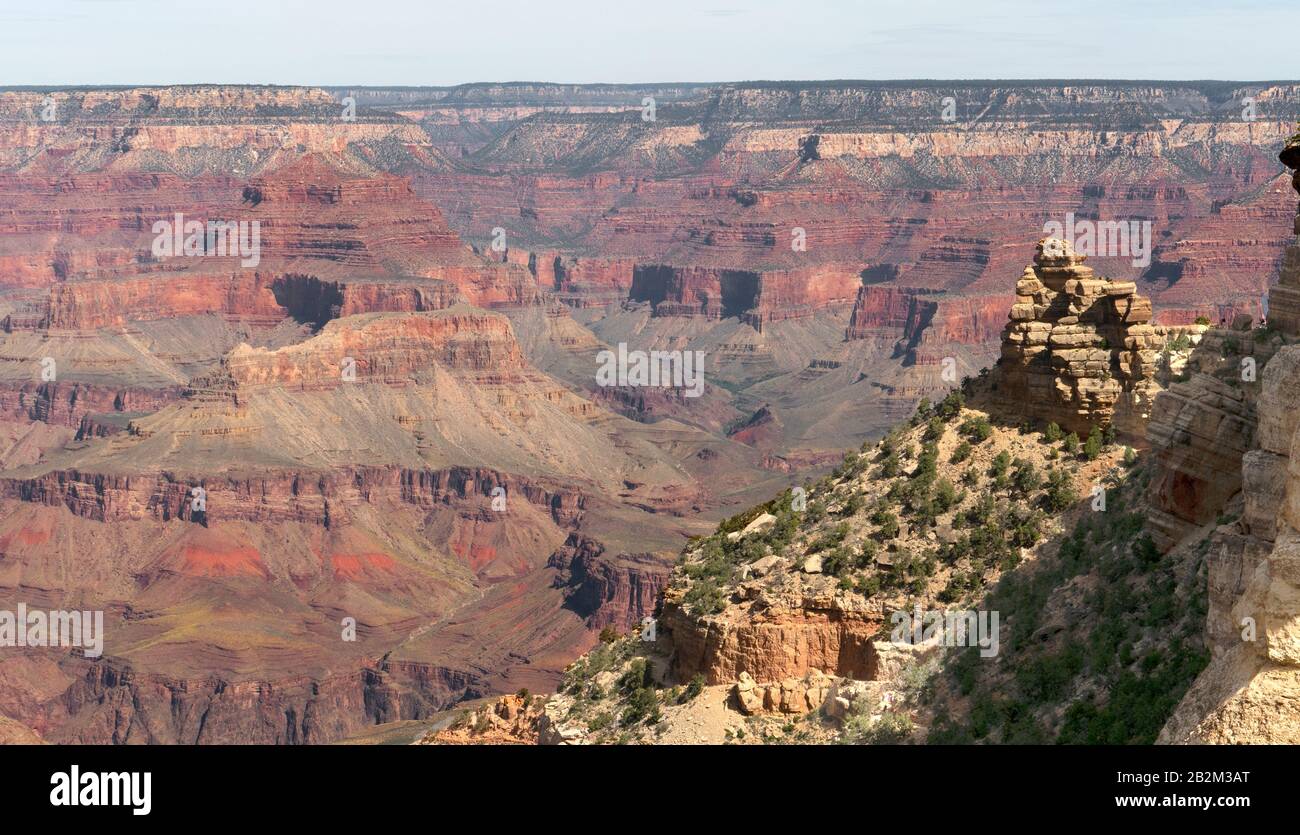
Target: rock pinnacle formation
{"x": 1079, "y": 350}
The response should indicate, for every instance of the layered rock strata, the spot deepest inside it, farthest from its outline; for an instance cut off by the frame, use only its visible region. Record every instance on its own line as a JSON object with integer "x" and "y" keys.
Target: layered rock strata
{"x": 1201, "y": 425}
{"x": 1079, "y": 350}
{"x": 1250, "y": 692}
{"x": 774, "y": 635}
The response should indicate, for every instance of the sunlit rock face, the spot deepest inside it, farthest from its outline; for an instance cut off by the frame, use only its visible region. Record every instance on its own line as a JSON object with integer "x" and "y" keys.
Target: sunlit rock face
{"x": 1079, "y": 350}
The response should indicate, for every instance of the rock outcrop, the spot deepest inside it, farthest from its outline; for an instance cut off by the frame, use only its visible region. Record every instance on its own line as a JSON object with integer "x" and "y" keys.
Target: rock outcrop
{"x": 916, "y": 316}
{"x": 510, "y": 720}
{"x": 793, "y": 695}
{"x": 1079, "y": 350}
{"x": 608, "y": 589}
{"x": 1284, "y": 297}
{"x": 772, "y": 640}
{"x": 754, "y": 296}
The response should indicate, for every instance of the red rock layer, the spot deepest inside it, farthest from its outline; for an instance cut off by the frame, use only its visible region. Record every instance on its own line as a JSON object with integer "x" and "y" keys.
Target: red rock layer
{"x": 322, "y": 499}
{"x": 753, "y": 296}
{"x": 386, "y": 348}
{"x": 68, "y": 404}
{"x": 608, "y": 590}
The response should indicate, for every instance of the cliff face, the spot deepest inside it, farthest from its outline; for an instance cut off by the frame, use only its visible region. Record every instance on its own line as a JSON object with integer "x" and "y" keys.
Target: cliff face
{"x": 1284, "y": 297}
{"x": 748, "y": 204}
{"x": 919, "y": 320}
{"x": 608, "y": 589}
{"x": 311, "y": 210}
{"x": 108, "y": 704}
{"x": 778, "y": 639}
{"x": 1248, "y": 692}
{"x": 1202, "y": 426}
{"x": 385, "y": 348}
{"x": 751, "y": 296}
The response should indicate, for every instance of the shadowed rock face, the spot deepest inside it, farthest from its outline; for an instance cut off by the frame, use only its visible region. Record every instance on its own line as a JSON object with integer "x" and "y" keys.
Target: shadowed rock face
{"x": 1284, "y": 297}
{"x": 1200, "y": 428}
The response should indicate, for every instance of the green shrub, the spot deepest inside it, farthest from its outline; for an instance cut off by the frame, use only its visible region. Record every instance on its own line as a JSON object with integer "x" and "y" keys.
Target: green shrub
{"x": 867, "y": 553}
{"x": 887, "y": 522}
{"x": 634, "y": 676}
{"x": 1026, "y": 478}
{"x": 1060, "y": 493}
{"x": 837, "y": 561}
{"x": 693, "y": 688}
{"x": 977, "y": 429}
{"x": 643, "y": 703}
{"x": 891, "y": 729}
{"x": 927, "y": 463}
{"x": 945, "y": 495}
{"x": 869, "y": 585}
{"x": 1092, "y": 448}
{"x": 951, "y": 405}
{"x": 705, "y": 597}
{"x": 854, "y": 503}
{"x": 831, "y": 538}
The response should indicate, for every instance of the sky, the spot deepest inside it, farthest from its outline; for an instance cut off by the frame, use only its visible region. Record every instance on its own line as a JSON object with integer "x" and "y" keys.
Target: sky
{"x": 408, "y": 42}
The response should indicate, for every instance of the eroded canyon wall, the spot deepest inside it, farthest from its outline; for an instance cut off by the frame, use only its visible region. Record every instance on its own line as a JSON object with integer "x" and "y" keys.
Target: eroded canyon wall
{"x": 1248, "y": 692}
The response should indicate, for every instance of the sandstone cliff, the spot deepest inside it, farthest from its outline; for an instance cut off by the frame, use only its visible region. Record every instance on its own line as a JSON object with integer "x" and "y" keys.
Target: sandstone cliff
{"x": 1248, "y": 693}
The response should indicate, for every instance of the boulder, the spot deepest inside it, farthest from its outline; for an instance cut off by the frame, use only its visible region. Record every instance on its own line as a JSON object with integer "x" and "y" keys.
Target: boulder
{"x": 748, "y": 697}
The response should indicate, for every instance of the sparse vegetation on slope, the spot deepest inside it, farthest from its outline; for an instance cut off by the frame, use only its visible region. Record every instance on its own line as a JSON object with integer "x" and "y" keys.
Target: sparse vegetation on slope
{"x": 1100, "y": 640}
{"x": 1100, "y": 635}
{"x": 934, "y": 512}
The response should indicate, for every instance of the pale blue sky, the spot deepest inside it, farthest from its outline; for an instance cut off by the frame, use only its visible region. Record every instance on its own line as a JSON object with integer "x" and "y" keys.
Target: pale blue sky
{"x": 49, "y": 42}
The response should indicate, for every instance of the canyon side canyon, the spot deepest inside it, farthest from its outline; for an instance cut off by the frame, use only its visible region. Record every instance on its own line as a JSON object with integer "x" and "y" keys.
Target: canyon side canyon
{"x": 371, "y": 472}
